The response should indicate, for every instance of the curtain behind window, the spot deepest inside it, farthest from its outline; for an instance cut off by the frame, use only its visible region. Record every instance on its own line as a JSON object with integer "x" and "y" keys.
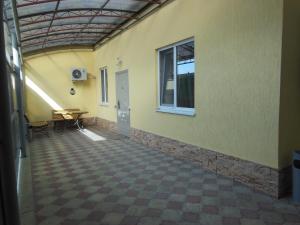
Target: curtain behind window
{"x": 167, "y": 77}
{"x": 185, "y": 64}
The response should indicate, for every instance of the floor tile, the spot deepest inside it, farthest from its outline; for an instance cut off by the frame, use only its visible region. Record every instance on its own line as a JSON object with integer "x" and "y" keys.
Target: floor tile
{"x": 80, "y": 182}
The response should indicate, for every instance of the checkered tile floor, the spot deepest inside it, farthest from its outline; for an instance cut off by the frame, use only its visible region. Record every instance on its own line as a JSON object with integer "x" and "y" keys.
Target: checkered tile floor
{"x": 80, "y": 182}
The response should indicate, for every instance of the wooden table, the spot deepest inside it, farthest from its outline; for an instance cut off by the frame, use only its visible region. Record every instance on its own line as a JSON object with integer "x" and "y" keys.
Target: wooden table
{"x": 72, "y": 115}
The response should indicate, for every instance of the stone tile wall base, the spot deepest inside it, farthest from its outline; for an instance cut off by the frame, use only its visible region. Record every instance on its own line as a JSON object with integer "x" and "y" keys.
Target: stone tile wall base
{"x": 105, "y": 124}
{"x": 261, "y": 178}
{"x": 89, "y": 121}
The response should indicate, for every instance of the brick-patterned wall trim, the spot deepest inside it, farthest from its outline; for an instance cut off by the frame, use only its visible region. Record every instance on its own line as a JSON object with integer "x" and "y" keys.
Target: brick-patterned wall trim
{"x": 276, "y": 183}
{"x": 89, "y": 121}
{"x": 106, "y": 124}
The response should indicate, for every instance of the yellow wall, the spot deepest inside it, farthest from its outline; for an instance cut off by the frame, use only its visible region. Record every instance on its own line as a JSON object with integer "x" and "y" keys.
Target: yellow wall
{"x": 290, "y": 84}
{"x": 238, "y": 59}
{"x": 51, "y": 73}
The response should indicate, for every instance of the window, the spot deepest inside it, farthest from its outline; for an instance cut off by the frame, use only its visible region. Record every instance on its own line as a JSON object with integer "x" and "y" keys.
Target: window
{"x": 104, "y": 86}
{"x": 176, "y": 78}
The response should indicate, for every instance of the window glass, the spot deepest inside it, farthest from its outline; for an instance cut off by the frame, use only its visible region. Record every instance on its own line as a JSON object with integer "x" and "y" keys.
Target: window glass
{"x": 106, "y": 86}
{"x": 104, "y": 96}
{"x": 185, "y": 66}
{"x": 167, "y": 77}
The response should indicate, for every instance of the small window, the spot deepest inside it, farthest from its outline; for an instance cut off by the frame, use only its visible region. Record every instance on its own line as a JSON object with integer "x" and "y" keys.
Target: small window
{"x": 104, "y": 86}
{"x": 176, "y": 78}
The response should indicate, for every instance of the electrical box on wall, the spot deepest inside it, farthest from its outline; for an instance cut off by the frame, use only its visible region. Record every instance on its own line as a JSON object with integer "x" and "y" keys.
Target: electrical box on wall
{"x": 78, "y": 74}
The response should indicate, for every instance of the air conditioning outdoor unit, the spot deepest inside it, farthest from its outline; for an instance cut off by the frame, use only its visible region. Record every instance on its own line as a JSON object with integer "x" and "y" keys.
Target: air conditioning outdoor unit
{"x": 78, "y": 74}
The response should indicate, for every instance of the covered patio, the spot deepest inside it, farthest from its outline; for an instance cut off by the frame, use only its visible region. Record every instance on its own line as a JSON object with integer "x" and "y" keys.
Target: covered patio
{"x": 149, "y": 112}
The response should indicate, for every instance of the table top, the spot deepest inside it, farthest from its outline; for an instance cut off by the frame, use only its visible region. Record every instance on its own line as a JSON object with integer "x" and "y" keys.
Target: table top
{"x": 70, "y": 115}
{"x": 63, "y": 112}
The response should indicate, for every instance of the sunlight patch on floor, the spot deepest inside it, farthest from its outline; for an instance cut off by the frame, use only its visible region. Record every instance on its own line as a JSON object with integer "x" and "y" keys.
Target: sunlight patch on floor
{"x": 93, "y": 136}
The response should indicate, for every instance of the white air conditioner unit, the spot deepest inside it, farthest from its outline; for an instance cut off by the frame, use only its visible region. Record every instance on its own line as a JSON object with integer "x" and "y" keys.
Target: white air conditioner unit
{"x": 78, "y": 74}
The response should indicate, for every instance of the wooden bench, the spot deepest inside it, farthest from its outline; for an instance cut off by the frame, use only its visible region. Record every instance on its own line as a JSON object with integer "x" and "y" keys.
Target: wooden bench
{"x": 39, "y": 127}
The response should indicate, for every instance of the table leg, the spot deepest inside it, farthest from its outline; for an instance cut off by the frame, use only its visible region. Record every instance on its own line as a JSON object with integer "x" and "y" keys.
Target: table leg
{"x": 77, "y": 123}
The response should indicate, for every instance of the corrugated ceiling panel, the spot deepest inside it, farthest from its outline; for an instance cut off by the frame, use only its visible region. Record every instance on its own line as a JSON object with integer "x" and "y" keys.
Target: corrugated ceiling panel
{"x": 46, "y": 22}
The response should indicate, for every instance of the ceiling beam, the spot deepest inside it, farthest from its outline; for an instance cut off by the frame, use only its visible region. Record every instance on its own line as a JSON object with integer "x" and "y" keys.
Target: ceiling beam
{"x": 149, "y": 1}
{"x": 34, "y": 2}
{"x": 37, "y": 2}
{"x": 62, "y": 39}
{"x": 142, "y": 14}
{"x": 72, "y": 10}
{"x": 72, "y": 15}
{"x": 54, "y": 13}
{"x": 69, "y": 30}
{"x": 126, "y": 21}
{"x": 45, "y": 34}
{"x": 16, "y": 23}
{"x": 60, "y": 47}
{"x": 67, "y": 16}
{"x": 93, "y": 17}
{"x": 100, "y": 26}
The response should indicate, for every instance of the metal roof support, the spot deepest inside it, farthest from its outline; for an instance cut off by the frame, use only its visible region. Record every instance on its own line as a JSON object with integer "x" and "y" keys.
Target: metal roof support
{"x": 150, "y": 1}
{"x": 146, "y": 11}
{"x": 62, "y": 44}
{"x": 54, "y": 13}
{"x": 17, "y": 27}
{"x": 61, "y": 33}
{"x": 122, "y": 24}
{"x": 93, "y": 17}
{"x": 34, "y": 2}
{"x": 80, "y": 11}
{"x": 95, "y": 10}
{"x": 68, "y": 26}
{"x": 19, "y": 100}
{"x": 49, "y": 26}
{"x": 87, "y": 47}
{"x": 63, "y": 39}
{"x": 75, "y": 14}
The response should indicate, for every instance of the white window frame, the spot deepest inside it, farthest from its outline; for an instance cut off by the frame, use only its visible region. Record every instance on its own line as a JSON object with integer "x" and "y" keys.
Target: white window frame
{"x": 105, "y": 91}
{"x": 173, "y": 109}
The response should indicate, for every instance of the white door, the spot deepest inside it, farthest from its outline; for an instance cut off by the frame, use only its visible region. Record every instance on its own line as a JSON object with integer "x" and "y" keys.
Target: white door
{"x": 123, "y": 110}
